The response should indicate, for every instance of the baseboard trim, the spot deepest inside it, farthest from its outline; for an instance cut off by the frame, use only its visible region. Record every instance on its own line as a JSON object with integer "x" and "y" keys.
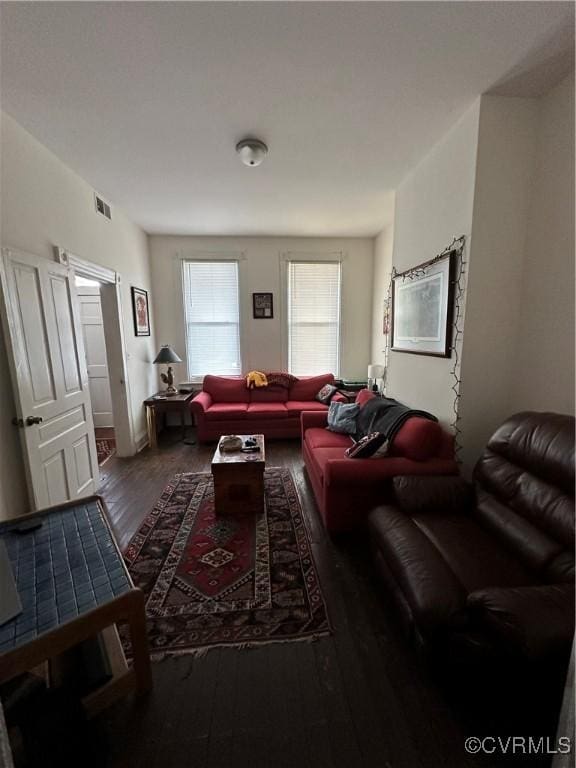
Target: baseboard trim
{"x": 141, "y": 441}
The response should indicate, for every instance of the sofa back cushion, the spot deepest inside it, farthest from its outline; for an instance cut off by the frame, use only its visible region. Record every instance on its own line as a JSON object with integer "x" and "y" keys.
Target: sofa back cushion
{"x": 223, "y": 389}
{"x": 363, "y": 396}
{"x": 424, "y": 494}
{"x": 525, "y": 490}
{"x": 270, "y": 394}
{"x": 307, "y": 388}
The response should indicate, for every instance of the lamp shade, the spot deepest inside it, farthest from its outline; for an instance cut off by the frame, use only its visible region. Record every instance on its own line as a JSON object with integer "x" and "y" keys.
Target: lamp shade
{"x": 167, "y": 355}
{"x": 375, "y": 371}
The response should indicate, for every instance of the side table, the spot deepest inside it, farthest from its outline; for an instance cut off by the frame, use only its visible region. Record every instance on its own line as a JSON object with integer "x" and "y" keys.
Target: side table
{"x": 161, "y": 403}
{"x": 73, "y": 583}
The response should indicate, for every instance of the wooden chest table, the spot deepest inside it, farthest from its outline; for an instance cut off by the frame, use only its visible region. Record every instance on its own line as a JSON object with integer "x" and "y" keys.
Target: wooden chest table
{"x": 239, "y": 479}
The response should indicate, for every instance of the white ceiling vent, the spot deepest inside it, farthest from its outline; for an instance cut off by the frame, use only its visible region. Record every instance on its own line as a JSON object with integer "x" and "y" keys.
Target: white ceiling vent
{"x": 102, "y": 207}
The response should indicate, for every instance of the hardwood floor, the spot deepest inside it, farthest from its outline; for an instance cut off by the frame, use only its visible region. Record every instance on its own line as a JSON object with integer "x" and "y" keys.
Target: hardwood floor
{"x": 359, "y": 698}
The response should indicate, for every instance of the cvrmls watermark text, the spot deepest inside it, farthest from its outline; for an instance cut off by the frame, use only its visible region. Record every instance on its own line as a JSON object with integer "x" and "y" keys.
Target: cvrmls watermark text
{"x": 518, "y": 745}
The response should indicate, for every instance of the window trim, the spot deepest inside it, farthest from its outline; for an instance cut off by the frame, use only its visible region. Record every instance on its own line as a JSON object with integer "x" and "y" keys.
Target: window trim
{"x": 207, "y": 256}
{"x": 309, "y": 257}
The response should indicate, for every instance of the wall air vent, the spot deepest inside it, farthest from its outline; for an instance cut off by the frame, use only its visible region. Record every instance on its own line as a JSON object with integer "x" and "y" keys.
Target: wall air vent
{"x": 102, "y": 207}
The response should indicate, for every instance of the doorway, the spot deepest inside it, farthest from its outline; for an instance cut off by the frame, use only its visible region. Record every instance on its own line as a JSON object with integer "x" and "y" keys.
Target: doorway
{"x": 108, "y": 353}
{"x": 92, "y": 323}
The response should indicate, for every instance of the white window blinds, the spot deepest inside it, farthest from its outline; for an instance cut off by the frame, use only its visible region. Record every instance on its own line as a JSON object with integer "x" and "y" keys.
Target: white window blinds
{"x": 212, "y": 315}
{"x": 313, "y": 317}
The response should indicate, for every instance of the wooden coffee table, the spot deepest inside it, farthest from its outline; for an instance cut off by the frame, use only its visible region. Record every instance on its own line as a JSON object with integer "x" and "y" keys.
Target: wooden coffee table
{"x": 239, "y": 479}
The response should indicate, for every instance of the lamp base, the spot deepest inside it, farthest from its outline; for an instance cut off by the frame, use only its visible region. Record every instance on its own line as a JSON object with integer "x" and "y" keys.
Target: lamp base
{"x": 170, "y": 391}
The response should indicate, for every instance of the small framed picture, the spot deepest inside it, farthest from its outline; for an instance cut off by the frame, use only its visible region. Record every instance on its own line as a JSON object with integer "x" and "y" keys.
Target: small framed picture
{"x": 262, "y": 305}
{"x": 141, "y": 312}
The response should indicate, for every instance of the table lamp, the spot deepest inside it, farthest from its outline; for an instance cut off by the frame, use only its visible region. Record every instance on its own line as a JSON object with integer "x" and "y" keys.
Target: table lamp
{"x": 375, "y": 372}
{"x": 167, "y": 356}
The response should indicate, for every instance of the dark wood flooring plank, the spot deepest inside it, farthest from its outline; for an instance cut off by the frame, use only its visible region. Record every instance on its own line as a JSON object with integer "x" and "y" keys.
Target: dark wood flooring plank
{"x": 346, "y": 749}
{"x": 288, "y": 743}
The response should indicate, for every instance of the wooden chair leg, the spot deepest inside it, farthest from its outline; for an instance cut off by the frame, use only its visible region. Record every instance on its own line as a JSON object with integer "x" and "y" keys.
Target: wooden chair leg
{"x": 151, "y": 426}
{"x": 139, "y": 638}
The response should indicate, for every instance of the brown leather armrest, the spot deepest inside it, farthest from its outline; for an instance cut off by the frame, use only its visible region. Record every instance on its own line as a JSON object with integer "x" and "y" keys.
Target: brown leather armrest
{"x": 435, "y": 596}
{"x": 415, "y": 495}
{"x": 537, "y": 621}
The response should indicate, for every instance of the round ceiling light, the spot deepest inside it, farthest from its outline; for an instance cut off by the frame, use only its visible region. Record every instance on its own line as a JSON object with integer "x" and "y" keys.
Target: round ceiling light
{"x": 251, "y": 151}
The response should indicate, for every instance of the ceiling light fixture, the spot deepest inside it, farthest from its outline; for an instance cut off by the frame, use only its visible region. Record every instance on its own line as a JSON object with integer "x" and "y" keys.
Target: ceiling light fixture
{"x": 251, "y": 151}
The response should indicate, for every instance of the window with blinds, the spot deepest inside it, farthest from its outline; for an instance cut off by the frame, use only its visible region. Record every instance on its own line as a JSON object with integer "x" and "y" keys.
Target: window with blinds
{"x": 212, "y": 316}
{"x": 313, "y": 317}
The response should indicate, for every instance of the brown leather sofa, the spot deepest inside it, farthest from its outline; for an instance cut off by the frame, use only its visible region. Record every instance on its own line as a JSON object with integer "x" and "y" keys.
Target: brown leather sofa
{"x": 486, "y": 570}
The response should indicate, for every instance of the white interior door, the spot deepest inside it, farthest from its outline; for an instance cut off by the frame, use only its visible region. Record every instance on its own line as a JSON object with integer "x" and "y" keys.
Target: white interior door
{"x": 50, "y": 381}
{"x": 95, "y": 348}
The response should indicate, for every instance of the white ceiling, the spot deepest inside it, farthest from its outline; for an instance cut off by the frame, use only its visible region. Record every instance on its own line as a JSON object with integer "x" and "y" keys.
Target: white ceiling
{"x": 146, "y": 101}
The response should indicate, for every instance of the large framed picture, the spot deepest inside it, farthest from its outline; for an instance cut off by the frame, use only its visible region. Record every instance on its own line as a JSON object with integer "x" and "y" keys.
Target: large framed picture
{"x": 422, "y": 307}
{"x": 262, "y": 306}
{"x": 141, "y": 312}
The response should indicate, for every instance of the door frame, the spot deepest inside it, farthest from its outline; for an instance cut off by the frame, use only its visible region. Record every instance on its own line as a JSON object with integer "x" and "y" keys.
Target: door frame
{"x": 112, "y": 317}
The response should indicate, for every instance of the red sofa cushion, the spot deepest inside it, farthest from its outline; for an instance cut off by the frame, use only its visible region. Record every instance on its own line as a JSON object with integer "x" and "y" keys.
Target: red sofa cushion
{"x": 317, "y": 437}
{"x": 308, "y": 388}
{"x": 417, "y": 439}
{"x": 297, "y": 406}
{"x": 363, "y": 396}
{"x": 226, "y": 390}
{"x": 269, "y": 395}
{"x": 320, "y": 457}
{"x": 266, "y": 411}
{"x": 226, "y": 411}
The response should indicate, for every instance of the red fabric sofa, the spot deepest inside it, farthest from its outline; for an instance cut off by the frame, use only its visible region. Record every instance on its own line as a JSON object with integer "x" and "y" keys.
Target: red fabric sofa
{"x": 347, "y": 489}
{"x": 226, "y": 406}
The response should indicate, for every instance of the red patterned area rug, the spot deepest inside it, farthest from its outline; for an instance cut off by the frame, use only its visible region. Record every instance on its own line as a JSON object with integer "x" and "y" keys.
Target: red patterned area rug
{"x": 235, "y": 580}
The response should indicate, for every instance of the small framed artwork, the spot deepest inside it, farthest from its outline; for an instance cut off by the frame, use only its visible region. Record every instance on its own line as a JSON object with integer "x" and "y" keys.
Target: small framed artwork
{"x": 422, "y": 307}
{"x": 141, "y": 312}
{"x": 262, "y": 306}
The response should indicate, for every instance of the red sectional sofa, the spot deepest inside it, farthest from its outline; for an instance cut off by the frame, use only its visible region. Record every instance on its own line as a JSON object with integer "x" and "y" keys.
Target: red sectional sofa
{"x": 226, "y": 406}
{"x": 347, "y": 489}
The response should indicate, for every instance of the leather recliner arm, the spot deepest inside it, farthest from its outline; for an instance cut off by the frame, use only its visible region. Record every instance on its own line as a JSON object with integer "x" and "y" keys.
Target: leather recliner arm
{"x": 436, "y": 598}
{"x": 537, "y": 621}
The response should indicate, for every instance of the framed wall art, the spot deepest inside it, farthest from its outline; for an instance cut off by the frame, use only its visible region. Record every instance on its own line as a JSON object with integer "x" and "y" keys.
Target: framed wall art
{"x": 262, "y": 306}
{"x": 141, "y": 312}
{"x": 422, "y": 307}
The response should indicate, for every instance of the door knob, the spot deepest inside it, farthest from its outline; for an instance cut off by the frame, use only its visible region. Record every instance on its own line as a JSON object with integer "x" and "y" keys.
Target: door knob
{"x": 30, "y": 420}
{"x": 17, "y": 422}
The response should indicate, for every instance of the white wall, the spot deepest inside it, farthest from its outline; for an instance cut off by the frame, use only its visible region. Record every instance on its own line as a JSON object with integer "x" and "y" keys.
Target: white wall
{"x": 260, "y": 270}
{"x": 433, "y": 204}
{"x": 44, "y": 203}
{"x": 503, "y": 176}
{"x": 544, "y": 363}
{"x": 383, "y": 249}
{"x": 504, "y": 179}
